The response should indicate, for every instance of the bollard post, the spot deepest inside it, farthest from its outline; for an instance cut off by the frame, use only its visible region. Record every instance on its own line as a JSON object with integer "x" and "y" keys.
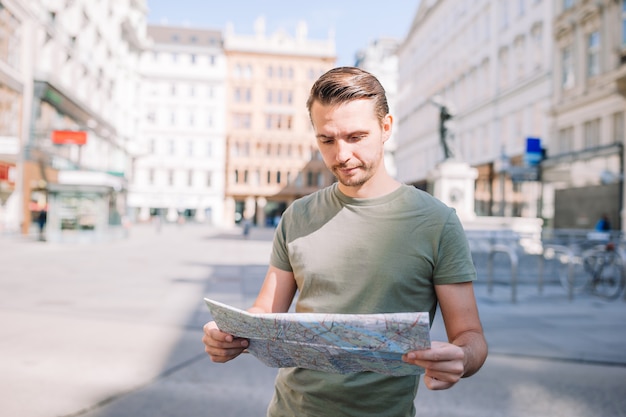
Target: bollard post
{"x": 513, "y": 259}
{"x": 570, "y": 266}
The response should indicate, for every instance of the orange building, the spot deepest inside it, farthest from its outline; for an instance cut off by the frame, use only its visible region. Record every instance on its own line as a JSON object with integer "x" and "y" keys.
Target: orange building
{"x": 271, "y": 154}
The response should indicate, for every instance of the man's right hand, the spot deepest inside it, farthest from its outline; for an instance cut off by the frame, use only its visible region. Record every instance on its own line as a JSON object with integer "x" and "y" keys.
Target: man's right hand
{"x": 220, "y": 346}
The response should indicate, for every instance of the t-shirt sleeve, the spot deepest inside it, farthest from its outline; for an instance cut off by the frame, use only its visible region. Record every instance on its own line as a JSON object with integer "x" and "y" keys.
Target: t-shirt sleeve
{"x": 280, "y": 254}
{"x": 454, "y": 262}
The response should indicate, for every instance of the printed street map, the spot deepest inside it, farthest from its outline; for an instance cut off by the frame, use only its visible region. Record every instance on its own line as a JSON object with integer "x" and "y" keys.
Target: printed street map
{"x": 339, "y": 343}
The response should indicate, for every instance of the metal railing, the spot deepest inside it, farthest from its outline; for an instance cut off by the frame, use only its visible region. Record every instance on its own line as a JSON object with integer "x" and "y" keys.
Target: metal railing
{"x": 564, "y": 246}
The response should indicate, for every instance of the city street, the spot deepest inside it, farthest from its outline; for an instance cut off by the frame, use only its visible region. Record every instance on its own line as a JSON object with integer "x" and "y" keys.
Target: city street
{"x": 113, "y": 330}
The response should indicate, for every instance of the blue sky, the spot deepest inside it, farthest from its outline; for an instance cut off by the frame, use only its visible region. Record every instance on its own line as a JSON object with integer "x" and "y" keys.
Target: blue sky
{"x": 355, "y": 22}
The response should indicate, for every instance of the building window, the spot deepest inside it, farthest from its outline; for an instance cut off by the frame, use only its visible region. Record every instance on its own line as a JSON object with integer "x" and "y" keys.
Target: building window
{"x": 190, "y": 178}
{"x": 241, "y": 121}
{"x": 592, "y": 133}
{"x": 504, "y": 14}
{"x": 567, "y": 65}
{"x": 209, "y": 179}
{"x": 520, "y": 56}
{"x": 537, "y": 37}
{"x": 503, "y": 66}
{"x": 593, "y": 54}
{"x": 623, "y": 24}
{"x": 565, "y": 141}
{"x": 151, "y": 176}
{"x": 170, "y": 177}
{"x": 618, "y": 127}
{"x": 10, "y": 38}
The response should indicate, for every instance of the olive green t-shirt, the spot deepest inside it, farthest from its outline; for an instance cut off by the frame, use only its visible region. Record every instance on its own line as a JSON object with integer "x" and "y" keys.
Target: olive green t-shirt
{"x": 359, "y": 256}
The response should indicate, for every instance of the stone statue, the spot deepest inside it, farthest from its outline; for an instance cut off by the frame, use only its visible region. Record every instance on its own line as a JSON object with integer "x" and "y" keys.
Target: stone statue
{"x": 444, "y": 116}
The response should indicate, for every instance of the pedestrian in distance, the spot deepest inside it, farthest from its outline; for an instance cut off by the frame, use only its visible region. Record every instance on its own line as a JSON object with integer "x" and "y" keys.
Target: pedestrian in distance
{"x": 603, "y": 224}
{"x": 42, "y": 219}
{"x": 247, "y": 224}
{"x": 366, "y": 244}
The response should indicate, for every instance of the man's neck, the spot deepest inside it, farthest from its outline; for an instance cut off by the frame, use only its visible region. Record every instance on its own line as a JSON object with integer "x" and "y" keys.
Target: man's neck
{"x": 371, "y": 189}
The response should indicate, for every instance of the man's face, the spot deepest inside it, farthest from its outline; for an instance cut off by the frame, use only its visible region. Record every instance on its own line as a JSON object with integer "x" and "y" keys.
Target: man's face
{"x": 351, "y": 140}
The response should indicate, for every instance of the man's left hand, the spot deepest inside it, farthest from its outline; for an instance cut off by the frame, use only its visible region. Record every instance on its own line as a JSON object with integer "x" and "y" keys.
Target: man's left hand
{"x": 443, "y": 362}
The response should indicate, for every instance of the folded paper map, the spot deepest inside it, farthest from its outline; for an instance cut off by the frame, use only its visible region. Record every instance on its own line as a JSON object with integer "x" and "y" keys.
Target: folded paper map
{"x": 339, "y": 343}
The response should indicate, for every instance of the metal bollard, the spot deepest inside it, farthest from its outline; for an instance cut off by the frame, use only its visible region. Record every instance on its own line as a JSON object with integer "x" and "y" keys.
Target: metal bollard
{"x": 570, "y": 268}
{"x": 514, "y": 262}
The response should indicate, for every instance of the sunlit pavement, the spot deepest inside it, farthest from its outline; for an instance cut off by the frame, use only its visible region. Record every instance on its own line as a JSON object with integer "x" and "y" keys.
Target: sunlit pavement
{"x": 113, "y": 329}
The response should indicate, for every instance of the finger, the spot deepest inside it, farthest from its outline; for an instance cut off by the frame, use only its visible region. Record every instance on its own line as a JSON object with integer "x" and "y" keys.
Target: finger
{"x": 435, "y": 384}
{"x": 222, "y": 355}
{"x": 217, "y": 340}
{"x": 212, "y": 331}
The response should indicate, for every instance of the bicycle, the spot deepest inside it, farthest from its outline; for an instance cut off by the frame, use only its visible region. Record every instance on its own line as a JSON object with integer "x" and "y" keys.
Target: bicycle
{"x": 598, "y": 270}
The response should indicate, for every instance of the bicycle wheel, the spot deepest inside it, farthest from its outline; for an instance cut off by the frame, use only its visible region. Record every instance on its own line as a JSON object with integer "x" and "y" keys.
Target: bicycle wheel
{"x": 572, "y": 269}
{"x": 609, "y": 280}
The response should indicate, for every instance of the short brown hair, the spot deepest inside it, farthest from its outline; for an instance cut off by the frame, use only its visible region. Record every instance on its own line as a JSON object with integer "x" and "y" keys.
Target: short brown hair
{"x": 343, "y": 84}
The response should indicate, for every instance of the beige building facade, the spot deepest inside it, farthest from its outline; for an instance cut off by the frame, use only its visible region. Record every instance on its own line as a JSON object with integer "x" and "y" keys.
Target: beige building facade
{"x": 489, "y": 62}
{"x": 271, "y": 154}
{"x": 586, "y": 162}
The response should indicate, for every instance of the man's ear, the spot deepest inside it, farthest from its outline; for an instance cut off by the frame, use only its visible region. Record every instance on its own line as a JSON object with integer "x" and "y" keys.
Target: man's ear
{"x": 387, "y": 127}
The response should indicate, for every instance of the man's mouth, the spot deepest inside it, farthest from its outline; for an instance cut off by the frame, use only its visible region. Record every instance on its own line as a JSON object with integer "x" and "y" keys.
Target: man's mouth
{"x": 347, "y": 170}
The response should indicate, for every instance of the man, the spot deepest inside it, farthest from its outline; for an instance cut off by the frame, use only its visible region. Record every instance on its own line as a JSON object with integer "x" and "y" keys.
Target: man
{"x": 367, "y": 244}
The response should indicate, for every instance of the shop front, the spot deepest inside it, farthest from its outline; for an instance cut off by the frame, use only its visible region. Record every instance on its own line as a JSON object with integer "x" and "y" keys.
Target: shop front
{"x": 86, "y": 207}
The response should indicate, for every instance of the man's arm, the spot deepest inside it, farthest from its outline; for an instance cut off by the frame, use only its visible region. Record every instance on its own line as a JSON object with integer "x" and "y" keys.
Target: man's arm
{"x": 275, "y": 296}
{"x": 466, "y": 350}
{"x": 276, "y": 293}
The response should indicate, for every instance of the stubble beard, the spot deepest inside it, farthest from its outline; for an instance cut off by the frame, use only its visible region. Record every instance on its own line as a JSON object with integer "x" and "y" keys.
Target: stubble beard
{"x": 358, "y": 179}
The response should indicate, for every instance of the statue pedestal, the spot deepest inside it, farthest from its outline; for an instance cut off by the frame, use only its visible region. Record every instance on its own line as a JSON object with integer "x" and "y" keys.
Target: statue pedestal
{"x": 452, "y": 182}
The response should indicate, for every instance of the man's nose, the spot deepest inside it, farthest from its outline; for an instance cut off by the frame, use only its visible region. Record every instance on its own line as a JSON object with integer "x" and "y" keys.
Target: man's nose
{"x": 343, "y": 151}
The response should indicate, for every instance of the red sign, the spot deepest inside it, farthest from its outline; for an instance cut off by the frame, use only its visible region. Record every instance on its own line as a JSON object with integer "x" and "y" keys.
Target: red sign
{"x": 69, "y": 137}
{"x": 7, "y": 172}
